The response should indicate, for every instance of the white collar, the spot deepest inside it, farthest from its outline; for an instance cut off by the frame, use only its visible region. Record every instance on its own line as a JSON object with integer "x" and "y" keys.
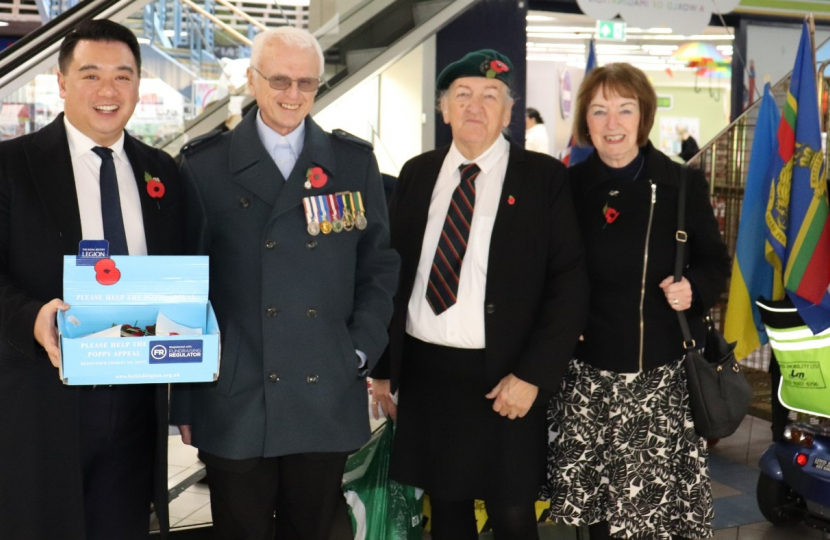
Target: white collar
{"x": 271, "y": 138}
{"x": 79, "y": 144}
{"x": 486, "y": 161}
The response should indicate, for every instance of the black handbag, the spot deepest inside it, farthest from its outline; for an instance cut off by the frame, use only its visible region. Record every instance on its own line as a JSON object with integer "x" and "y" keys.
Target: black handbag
{"x": 719, "y": 394}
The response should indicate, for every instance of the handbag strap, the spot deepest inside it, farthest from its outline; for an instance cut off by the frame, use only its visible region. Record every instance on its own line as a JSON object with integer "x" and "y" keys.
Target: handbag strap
{"x": 681, "y": 237}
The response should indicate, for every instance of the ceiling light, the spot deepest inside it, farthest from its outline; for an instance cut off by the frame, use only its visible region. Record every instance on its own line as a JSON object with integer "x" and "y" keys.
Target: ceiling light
{"x": 559, "y": 36}
{"x": 540, "y": 18}
{"x": 561, "y": 29}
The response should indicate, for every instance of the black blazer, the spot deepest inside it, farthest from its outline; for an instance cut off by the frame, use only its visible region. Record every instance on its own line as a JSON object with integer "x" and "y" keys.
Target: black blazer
{"x": 537, "y": 287}
{"x": 40, "y": 485}
{"x": 616, "y": 255}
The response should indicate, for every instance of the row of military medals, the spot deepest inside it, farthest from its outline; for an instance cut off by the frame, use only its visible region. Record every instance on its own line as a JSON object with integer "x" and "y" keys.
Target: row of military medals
{"x": 335, "y": 212}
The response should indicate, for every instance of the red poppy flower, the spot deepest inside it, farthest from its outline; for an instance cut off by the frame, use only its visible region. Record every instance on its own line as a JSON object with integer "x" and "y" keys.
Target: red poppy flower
{"x": 511, "y": 200}
{"x": 498, "y": 66}
{"x": 106, "y": 273}
{"x": 155, "y": 189}
{"x": 317, "y": 177}
{"x": 611, "y": 215}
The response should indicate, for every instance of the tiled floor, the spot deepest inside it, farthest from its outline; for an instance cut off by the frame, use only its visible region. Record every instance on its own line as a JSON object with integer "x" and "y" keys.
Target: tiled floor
{"x": 192, "y": 507}
{"x": 733, "y": 466}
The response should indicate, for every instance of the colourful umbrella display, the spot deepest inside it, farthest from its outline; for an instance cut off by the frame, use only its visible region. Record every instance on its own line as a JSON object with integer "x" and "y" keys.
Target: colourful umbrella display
{"x": 696, "y": 50}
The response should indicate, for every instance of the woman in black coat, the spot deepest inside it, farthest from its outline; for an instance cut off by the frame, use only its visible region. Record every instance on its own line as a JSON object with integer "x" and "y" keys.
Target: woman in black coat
{"x": 624, "y": 456}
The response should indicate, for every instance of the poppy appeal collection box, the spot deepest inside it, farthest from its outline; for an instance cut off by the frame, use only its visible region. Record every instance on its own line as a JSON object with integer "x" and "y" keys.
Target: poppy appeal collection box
{"x": 132, "y": 296}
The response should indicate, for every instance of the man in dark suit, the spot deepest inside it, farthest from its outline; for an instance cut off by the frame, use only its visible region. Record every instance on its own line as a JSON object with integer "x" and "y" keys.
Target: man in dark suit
{"x": 476, "y": 349}
{"x": 294, "y": 220}
{"x": 79, "y": 463}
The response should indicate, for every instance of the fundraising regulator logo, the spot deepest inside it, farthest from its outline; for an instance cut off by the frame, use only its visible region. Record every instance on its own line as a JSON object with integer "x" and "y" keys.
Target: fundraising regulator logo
{"x": 175, "y": 352}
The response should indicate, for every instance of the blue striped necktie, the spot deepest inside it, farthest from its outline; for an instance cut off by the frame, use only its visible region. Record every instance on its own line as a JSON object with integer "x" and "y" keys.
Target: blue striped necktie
{"x": 111, "y": 204}
{"x": 445, "y": 274}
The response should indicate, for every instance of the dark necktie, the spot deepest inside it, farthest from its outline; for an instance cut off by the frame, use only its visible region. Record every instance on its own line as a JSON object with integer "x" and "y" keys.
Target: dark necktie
{"x": 442, "y": 288}
{"x": 111, "y": 204}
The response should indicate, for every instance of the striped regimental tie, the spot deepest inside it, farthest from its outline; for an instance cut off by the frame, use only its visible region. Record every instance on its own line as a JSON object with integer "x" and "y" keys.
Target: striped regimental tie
{"x": 446, "y": 266}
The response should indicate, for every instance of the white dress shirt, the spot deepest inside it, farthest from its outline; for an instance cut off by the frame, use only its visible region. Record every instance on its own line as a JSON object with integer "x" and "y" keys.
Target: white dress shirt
{"x": 536, "y": 139}
{"x": 462, "y": 325}
{"x": 283, "y": 149}
{"x": 87, "y": 168}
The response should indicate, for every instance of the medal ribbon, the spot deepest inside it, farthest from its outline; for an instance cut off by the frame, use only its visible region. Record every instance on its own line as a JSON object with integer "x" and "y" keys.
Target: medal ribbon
{"x": 308, "y": 212}
{"x": 333, "y": 205}
{"x": 340, "y": 205}
{"x": 314, "y": 209}
{"x": 321, "y": 201}
{"x": 359, "y": 207}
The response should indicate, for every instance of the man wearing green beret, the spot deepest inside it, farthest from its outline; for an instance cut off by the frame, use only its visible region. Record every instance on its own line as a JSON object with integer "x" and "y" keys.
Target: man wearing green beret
{"x": 492, "y": 298}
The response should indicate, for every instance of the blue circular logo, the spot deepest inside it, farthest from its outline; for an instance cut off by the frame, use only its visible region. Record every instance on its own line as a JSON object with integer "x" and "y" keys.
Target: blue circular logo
{"x": 158, "y": 352}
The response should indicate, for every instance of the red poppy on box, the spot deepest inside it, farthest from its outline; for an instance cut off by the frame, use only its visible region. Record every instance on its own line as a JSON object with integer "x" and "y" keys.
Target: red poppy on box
{"x": 106, "y": 273}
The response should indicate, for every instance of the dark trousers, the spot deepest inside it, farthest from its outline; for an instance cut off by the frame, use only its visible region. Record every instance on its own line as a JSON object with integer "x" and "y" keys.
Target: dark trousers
{"x": 302, "y": 491}
{"x": 455, "y": 520}
{"x": 117, "y": 428}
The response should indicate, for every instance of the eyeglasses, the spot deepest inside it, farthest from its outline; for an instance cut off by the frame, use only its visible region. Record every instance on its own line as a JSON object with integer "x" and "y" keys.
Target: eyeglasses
{"x": 281, "y": 82}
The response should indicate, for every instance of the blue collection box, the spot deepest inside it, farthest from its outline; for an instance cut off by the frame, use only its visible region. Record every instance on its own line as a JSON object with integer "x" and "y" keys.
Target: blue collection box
{"x": 133, "y": 290}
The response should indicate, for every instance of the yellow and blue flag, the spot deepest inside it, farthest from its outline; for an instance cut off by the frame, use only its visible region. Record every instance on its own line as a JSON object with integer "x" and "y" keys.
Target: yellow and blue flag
{"x": 752, "y": 275}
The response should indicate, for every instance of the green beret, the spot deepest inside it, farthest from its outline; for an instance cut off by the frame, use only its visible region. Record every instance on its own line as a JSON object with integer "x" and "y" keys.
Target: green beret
{"x": 484, "y": 63}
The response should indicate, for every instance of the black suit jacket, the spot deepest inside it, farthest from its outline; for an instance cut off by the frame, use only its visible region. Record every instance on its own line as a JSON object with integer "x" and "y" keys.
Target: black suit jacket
{"x": 537, "y": 287}
{"x": 40, "y": 483}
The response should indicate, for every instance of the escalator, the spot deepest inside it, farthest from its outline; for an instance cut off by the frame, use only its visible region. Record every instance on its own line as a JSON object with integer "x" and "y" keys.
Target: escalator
{"x": 195, "y": 53}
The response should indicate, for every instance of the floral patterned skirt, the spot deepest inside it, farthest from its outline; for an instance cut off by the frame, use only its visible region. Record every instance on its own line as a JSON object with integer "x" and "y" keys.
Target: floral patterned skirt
{"x": 623, "y": 449}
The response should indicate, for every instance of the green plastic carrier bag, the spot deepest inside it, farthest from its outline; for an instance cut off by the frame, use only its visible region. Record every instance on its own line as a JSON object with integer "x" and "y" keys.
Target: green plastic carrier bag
{"x": 381, "y": 509}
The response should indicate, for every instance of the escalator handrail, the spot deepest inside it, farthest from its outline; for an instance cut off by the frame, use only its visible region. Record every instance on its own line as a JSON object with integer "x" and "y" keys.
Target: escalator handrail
{"x": 45, "y": 37}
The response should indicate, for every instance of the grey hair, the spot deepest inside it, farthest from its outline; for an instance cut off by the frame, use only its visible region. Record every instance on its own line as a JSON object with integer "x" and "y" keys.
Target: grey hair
{"x": 288, "y": 35}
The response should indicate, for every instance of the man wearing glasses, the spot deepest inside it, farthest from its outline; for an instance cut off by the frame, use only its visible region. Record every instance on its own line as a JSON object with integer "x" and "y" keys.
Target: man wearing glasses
{"x": 302, "y": 276}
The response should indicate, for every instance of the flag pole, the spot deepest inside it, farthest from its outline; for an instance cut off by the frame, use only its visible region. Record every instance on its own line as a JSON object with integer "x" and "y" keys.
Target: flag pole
{"x": 811, "y": 24}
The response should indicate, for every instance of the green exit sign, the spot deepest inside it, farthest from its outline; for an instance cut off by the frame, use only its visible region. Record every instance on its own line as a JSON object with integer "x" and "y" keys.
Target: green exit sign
{"x": 611, "y": 30}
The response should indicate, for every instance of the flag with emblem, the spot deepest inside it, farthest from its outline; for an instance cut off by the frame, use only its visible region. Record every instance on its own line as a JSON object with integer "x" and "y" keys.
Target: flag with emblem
{"x": 798, "y": 230}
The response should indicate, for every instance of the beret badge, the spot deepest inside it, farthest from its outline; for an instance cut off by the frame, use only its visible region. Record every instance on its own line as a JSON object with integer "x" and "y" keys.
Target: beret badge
{"x": 491, "y": 68}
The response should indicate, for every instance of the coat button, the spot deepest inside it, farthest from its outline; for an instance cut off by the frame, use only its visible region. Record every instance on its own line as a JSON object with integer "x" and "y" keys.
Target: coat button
{"x": 311, "y": 379}
{"x": 271, "y": 312}
{"x": 311, "y": 244}
{"x": 244, "y": 202}
{"x": 311, "y": 313}
{"x": 273, "y": 378}
{"x": 490, "y": 308}
{"x": 269, "y": 244}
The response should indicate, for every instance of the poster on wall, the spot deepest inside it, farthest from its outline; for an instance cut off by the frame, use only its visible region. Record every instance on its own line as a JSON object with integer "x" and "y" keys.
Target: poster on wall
{"x": 669, "y": 137}
{"x": 565, "y": 99}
